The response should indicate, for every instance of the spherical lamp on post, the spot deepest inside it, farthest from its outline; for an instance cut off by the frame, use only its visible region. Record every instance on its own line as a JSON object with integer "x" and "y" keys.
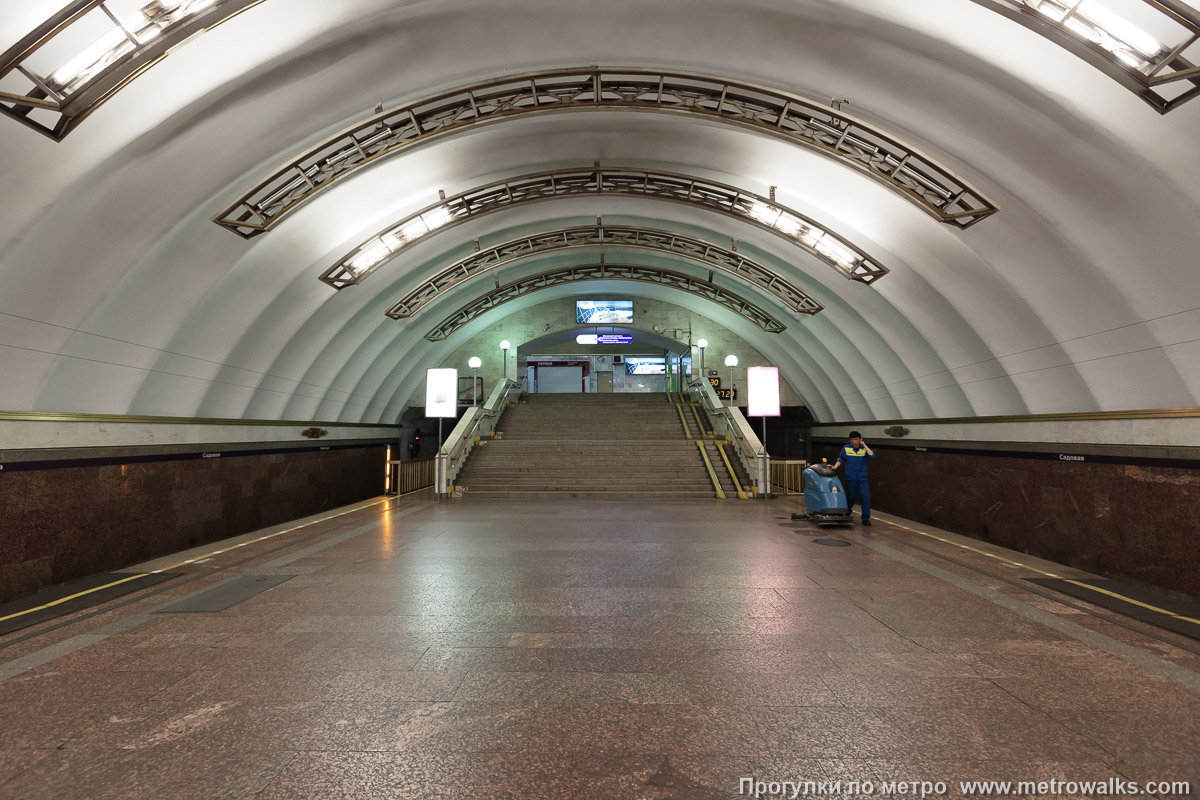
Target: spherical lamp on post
{"x": 474, "y": 363}
{"x": 731, "y": 362}
{"x": 703, "y": 343}
{"x": 504, "y": 345}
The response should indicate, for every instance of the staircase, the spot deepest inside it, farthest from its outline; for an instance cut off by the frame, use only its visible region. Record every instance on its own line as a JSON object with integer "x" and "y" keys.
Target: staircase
{"x": 720, "y": 453}
{"x": 619, "y": 446}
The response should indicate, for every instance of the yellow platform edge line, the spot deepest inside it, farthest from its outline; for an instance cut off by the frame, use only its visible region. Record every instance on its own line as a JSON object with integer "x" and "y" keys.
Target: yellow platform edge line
{"x": 1010, "y": 562}
{"x": 62, "y": 600}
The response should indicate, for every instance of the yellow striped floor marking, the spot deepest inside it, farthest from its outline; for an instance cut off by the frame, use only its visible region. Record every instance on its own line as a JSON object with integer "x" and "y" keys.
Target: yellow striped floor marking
{"x": 62, "y": 600}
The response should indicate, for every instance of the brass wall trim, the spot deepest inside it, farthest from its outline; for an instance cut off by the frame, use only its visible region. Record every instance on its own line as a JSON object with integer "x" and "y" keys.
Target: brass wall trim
{"x": 55, "y": 416}
{"x": 1147, "y": 455}
{"x": 1076, "y": 416}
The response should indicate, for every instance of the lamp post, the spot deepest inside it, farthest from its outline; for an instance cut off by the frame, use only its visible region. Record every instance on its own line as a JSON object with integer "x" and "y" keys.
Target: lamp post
{"x": 731, "y": 362}
{"x": 703, "y": 343}
{"x": 474, "y": 363}
{"x": 504, "y": 345}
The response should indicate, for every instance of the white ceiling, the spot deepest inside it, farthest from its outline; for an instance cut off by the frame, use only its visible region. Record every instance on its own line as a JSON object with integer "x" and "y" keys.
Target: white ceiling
{"x": 120, "y": 295}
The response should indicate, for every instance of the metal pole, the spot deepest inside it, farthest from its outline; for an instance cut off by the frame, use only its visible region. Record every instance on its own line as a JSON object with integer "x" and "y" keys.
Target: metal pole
{"x": 766, "y": 469}
{"x": 765, "y": 476}
{"x": 439, "y": 465}
{"x": 731, "y": 402}
{"x": 474, "y": 386}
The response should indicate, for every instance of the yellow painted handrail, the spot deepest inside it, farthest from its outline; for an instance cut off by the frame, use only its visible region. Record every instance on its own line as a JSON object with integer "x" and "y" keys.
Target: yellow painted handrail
{"x": 712, "y": 474}
{"x": 741, "y": 493}
{"x": 686, "y": 430}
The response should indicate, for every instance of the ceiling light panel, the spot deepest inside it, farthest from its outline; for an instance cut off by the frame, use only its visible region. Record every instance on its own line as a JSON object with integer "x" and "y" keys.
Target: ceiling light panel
{"x": 1149, "y": 46}
{"x": 920, "y": 179}
{"x": 64, "y": 70}
{"x": 695, "y": 287}
{"x": 606, "y": 236}
{"x": 594, "y": 181}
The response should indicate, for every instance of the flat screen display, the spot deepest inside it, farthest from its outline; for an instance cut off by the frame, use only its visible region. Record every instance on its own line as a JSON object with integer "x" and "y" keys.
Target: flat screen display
{"x": 645, "y": 366}
{"x": 604, "y": 312}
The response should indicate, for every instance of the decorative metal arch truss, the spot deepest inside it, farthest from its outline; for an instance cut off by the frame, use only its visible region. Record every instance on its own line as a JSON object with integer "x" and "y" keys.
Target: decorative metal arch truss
{"x": 755, "y": 209}
{"x": 1145, "y": 45}
{"x": 50, "y": 84}
{"x": 606, "y": 236}
{"x": 605, "y": 272}
{"x": 931, "y": 186}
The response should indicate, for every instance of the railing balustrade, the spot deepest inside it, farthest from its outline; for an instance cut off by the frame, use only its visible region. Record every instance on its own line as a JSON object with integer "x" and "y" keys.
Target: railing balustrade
{"x": 728, "y": 421}
{"x": 477, "y": 422}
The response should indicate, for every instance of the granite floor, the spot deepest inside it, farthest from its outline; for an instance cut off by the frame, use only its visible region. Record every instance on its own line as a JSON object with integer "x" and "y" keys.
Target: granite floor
{"x": 579, "y": 649}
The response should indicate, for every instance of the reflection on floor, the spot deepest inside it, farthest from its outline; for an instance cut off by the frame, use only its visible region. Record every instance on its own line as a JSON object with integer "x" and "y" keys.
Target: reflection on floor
{"x": 569, "y": 649}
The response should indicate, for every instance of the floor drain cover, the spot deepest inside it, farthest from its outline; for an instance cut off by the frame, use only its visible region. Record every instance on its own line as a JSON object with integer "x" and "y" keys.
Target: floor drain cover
{"x": 832, "y": 542}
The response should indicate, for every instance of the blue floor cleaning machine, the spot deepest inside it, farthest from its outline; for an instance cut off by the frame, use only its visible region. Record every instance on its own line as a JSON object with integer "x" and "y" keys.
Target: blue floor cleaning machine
{"x": 824, "y": 497}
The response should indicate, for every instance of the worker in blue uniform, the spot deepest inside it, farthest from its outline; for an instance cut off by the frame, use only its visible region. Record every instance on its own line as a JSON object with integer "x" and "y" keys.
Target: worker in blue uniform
{"x": 854, "y": 455}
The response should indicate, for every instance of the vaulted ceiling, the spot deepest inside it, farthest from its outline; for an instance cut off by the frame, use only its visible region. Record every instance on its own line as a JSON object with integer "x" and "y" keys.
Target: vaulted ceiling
{"x": 1036, "y": 220}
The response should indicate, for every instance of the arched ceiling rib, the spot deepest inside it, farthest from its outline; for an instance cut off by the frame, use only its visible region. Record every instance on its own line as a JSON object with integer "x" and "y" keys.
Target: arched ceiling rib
{"x": 896, "y": 164}
{"x": 540, "y": 187}
{"x": 838, "y": 347}
{"x": 697, "y": 288}
{"x": 121, "y": 295}
{"x": 609, "y": 238}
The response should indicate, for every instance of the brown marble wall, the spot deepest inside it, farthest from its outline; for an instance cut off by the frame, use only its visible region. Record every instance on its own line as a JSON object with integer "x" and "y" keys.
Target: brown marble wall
{"x": 1136, "y": 522}
{"x": 61, "y": 524}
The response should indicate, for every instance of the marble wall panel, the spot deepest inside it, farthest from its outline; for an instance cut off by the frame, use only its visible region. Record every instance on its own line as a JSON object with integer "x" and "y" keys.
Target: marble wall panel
{"x": 1136, "y": 522}
{"x": 57, "y": 525}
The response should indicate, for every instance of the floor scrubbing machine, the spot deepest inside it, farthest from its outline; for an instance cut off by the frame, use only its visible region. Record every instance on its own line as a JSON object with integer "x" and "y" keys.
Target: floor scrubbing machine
{"x": 824, "y": 497}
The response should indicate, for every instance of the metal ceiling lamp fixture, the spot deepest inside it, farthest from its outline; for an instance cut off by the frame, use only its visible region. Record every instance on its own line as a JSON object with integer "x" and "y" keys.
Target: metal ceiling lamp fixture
{"x": 64, "y": 83}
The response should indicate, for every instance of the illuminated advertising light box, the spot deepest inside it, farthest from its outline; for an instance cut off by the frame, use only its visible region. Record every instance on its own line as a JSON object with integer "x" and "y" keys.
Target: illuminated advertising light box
{"x": 606, "y": 312}
{"x": 762, "y": 391}
{"x": 603, "y": 338}
{"x": 441, "y": 393}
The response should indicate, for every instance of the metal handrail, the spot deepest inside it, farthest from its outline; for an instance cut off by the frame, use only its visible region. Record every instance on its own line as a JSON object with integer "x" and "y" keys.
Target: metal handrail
{"x": 748, "y": 449}
{"x": 412, "y": 474}
{"x": 788, "y": 475}
{"x": 477, "y": 422}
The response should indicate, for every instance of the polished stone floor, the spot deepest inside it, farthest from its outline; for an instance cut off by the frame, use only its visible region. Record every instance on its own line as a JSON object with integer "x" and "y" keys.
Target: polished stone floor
{"x": 579, "y": 649}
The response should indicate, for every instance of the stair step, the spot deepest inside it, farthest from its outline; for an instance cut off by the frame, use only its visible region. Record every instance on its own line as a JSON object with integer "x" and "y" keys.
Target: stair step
{"x": 590, "y": 446}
